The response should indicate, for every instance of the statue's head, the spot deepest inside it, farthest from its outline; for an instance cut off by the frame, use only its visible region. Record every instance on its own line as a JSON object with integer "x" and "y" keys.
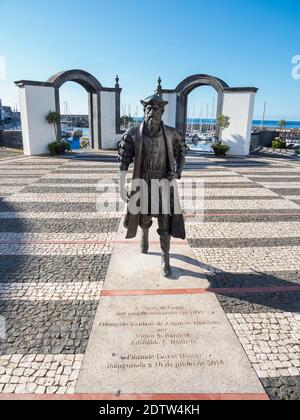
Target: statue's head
{"x": 154, "y": 107}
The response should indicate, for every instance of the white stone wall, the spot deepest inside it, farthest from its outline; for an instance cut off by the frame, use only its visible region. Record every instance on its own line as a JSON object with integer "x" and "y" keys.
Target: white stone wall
{"x": 35, "y": 104}
{"x": 239, "y": 106}
{"x": 169, "y": 116}
{"x": 108, "y": 120}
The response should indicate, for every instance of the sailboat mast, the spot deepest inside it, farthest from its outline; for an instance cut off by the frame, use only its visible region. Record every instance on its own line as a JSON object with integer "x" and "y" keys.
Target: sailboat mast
{"x": 193, "y": 117}
{"x": 201, "y": 114}
{"x": 207, "y": 117}
{"x": 264, "y": 115}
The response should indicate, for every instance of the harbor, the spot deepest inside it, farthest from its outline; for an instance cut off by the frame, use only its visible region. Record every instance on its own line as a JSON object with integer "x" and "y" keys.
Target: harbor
{"x": 200, "y": 133}
{"x": 149, "y": 203}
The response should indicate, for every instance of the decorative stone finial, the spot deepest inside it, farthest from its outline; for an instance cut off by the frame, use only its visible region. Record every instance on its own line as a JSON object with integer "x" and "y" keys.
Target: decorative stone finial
{"x": 117, "y": 81}
{"x": 159, "y": 88}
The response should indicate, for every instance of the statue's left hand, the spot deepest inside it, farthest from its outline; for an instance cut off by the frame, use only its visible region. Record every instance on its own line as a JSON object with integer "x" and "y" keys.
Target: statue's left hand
{"x": 173, "y": 175}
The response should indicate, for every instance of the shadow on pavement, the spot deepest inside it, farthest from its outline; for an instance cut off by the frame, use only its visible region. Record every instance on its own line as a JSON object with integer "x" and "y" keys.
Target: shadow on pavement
{"x": 257, "y": 301}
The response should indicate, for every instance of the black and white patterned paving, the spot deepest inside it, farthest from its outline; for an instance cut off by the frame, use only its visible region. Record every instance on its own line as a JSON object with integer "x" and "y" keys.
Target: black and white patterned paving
{"x": 55, "y": 250}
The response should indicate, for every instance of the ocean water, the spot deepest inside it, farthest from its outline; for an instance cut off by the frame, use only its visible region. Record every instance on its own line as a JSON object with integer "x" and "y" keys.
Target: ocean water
{"x": 290, "y": 124}
{"x": 256, "y": 123}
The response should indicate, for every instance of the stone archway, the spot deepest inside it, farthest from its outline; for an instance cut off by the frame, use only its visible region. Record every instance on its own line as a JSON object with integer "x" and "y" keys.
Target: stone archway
{"x": 38, "y": 98}
{"x": 93, "y": 88}
{"x": 237, "y": 103}
{"x": 186, "y": 87}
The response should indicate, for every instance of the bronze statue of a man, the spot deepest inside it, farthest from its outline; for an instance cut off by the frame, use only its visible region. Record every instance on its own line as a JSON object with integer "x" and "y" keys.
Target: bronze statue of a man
{"x": 158, "y": 153}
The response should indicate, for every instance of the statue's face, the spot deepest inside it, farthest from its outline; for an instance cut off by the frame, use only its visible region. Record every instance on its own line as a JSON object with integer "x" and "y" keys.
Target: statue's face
{"x": 153, "y": 117}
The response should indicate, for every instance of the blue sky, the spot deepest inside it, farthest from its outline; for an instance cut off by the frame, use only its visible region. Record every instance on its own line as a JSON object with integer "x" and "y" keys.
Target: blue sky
{"x": 246, "y": 43}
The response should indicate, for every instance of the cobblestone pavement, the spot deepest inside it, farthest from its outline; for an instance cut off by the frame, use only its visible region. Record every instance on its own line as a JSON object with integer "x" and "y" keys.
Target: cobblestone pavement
{"x": 8, "y": 153}
{"x": 55, "y": 250}
{"x": 249, "y": 246}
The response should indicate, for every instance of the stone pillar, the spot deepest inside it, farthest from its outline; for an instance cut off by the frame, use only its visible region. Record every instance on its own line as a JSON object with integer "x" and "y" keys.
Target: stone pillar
{"x": 219, "y": 112}
{"x": 238, "y": 104}
{"x": 91, "y": 121}
{"x": 169, "y": 116}
{"x": 35, "y": 103}
{"x": 57, "y": 108}
{"x": 96, "y": 129}
{"x": 108, "y": 119}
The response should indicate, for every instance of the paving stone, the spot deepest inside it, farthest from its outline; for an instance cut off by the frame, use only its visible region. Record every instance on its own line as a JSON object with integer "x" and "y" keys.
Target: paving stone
{"x": 58, "y": 269}
{"x": 249, "y": 260}
{"x": 4, "y": 379}
{"x": 50, "y": 207}
{"x": 62, "y": 390}
{"x": 40, "y": 390}
{"x": 261, "y": 302}
{"x": 249, "y": 238}
{"x": 59, "y": 225}
{"x": 246, "y": 216}
{"x": 255, "y": 279}
{"x": 9, "y": 389}
{"x": 19, "y": 372}
{"x": 270, "y": 361}
{"x": 286, "y": 191}
{"x": 284, "y": 388}
{"x": 20, "y": 389}
{"x": 31, "y": 388}
{"x": 58, "y": 190}
{"x": 294, "y": 371}
{"x": 29, "y": 372}
{"x": 16, "y": 358}
{"x": 51, "y": 389}
{"x": 244, "y": 242}
{"x": 232, "y": 230}
{"x": 86, "y": 291}
{"x": 45, "y": 327}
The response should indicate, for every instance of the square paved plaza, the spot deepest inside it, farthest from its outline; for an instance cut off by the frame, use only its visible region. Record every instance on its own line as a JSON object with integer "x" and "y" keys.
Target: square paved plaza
{"x": 55, "y": 250}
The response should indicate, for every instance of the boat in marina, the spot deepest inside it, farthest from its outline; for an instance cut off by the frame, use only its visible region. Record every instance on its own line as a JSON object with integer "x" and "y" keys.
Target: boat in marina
{"x": 293, "y": 142}
{"x": 200, "y": 141}
{"x": 206, "y": 136}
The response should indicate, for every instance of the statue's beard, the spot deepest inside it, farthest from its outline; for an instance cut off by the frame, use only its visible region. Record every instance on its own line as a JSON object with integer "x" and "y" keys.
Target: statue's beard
{"x": 152, "y": 125}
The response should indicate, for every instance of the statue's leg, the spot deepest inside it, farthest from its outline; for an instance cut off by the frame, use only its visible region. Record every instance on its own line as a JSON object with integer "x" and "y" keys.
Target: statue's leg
{"x": 145, "y": 241}
{"x": 165, "y": 242}
{"x": 145, "y": 224}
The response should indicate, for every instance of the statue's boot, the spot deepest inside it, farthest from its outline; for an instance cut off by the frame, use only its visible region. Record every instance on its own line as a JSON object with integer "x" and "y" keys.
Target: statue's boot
{"x": 165, "y": 258}
{"x": 145, "y": 241}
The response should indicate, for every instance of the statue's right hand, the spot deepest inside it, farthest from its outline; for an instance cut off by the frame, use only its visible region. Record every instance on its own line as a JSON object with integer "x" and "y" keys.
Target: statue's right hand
{"x": 123, "y": 189}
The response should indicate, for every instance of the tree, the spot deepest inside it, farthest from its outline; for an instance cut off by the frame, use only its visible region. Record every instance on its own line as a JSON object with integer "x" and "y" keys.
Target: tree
{"x": 54, "y": 119}
{"x": 223, "y": 121}
{"x": 281, "y": 125}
